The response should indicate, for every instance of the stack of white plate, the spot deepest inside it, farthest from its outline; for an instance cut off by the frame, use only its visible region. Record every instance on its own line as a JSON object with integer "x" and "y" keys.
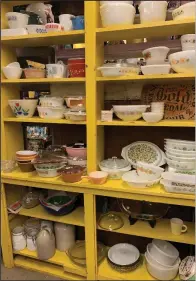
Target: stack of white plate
{"x": 162, "y": 260}
{"x": 181, "y": 154}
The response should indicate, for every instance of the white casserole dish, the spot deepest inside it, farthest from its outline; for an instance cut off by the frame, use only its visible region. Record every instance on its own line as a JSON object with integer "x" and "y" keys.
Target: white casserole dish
{"x": 179, "y": 178}
{"x": 181, "y": 165}
{"x": 48, "y": 101}
{"x": 115, "y": 167}
{"x": 75, "y": 115}
{"x": 133, "y": 180}
{"x": 48, "y": 173}
{"x": 178, "y": 188}
{"x": 115, "y": 70}
{"x": 156, "y": 69}
{"x": 51, "y": 112}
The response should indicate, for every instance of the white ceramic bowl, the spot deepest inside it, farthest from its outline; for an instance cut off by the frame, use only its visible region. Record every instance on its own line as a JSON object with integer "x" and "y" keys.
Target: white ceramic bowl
{"x": 114, "y": 71}
{"x": 180, "y": 146}
{"x": 51, "y": 101}
{"x": 36, "y": 29}
{"x": 114, "y": 2}
{"x": 133, "y": 180}
{"x": 54, "y": 27}
{"x": 13, "y": 64}
{"x": 75, "y": 115}
{"x": 153, "y": 260}
{"x": 13, "y": 32}
{"x": 186, "y": 11}
{"x": 155, "y": 55}
{"x": 188, "y": 42}
{"x": 179, "y": 178}
{"x": 17, "y": 20}
{"x": 117, "y": 13}
{"x": 159, "y": 272}
{"x": 152, "y": 11}
{"x": 76, "y": 103}
{"x": 181, "y": 159}
{"x": 179, "y": 141}
{"x": 11, "y": 72}
{"x": 152, "y": 117}
{"x": 181, "y": 153}
{"x": 129, "y": 112}
{"x": 183, "y": 62}
{"x": 156, "y": 69}
{"x": 164, "y": 252}
{"x": 23, "y": 108}
{"x": 148, "y": 171}
{"x": 48, "y": 173}
{"x": 51, "y": 112}
{"x": 181, "y": 165}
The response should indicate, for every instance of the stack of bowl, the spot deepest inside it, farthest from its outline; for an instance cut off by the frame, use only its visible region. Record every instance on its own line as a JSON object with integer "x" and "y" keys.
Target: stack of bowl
{"x": 181, "y": 154}
{"x": 24, "y": 158}
{"x": 156, "y": 61}
{"x": 124, "y": 257}
{"x": 77, "y": 108}
{"x": 156, "y": 114}
{"x": 129, "y": 112}
{"x": 51, "y": 107}
{"x": 162, "y": 260}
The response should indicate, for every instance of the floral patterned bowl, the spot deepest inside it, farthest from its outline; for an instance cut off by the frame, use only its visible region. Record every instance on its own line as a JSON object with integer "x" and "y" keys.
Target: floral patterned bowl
{"x": 148, "y": 171}
{"x": 23, "y": 108}
{"x": 183, "y": 62}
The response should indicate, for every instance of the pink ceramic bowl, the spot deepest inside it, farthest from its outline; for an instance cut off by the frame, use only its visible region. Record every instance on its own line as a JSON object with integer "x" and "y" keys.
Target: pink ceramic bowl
{"x": 76, "y": 152}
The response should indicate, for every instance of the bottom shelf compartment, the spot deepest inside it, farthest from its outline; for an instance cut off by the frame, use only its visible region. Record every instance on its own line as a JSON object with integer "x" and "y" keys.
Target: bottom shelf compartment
{"x": 106, "y": 272}
{"x": 60, "y": 258}
{"x": 44, "y": 267}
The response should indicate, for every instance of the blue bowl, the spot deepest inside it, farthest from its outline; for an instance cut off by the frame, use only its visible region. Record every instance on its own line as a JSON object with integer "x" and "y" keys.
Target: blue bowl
{"x": 78, "y": 23}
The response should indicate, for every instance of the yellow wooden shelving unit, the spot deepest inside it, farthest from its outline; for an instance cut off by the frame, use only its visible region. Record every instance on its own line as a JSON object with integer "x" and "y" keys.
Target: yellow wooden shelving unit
{"x": 12, "y": 140}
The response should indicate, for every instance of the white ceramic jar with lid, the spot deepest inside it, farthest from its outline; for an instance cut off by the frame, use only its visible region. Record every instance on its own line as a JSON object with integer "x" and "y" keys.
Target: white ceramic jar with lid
{"x": 65, "y": 236}
{"x": 115, "y": 167}
{"x": 19, "y": 241}
{"x": 45, "y": 242}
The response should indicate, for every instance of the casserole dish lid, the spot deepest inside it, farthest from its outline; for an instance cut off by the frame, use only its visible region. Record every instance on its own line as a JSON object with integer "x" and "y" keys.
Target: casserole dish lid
{"x": 114, "y": 163}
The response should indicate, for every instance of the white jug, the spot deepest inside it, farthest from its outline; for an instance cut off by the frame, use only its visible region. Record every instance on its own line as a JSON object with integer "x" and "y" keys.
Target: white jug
{"x": 56, "y": 70}
{"x": 66, "y": 22}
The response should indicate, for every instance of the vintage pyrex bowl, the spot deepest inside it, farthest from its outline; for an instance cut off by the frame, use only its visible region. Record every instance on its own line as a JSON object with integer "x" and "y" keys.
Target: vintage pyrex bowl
{"x": 117, "y": 13}
{"x": 133, "y": 180}
{"x": 12, "y": 72}
{"x": 75, "y": 115}
{"x": 47, "y": 172}
{"x": 72, "y": 173}
{"x": 14, "y": 32}
{"x": 129, "y": 112}
{"x": 152, "y": 117}
{"x": 186, "y": 11}
{"x": 118, "y": 69}
{"x": 76, "y": 103}
{"x": 23, "y": 108}
{"x": 31, "y": 73}
{"x": 36, "y": 29}
{"x": 54, "y": 27}
{"x": 115, "y": 167}
{"x": 181, "y": 158}
{"x": 188, "y": 42}
{"x": 48, "y": 101}
{"x": 155, "y": 55}
{"x": 156, "y": 69}
{"x": 17, "y": 20}
{"x": 77, "y": 149}
{"x": 152, "y": 11}
{"x": 51, "y": 112}
{"x": 76, "y": 161}
{"x": 148, "y": 171}
{"x": 181, "y": 165}
{"x": 183, "y": 62}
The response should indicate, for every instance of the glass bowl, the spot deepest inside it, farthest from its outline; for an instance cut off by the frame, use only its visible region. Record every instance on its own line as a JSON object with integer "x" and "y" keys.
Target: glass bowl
{"x": 7, "y": 166}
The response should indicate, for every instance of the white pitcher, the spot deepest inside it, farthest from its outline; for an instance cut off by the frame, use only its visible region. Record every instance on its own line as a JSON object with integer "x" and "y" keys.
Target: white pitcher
{"x": 56, "y": 70}
{"x": 66, "y": 22}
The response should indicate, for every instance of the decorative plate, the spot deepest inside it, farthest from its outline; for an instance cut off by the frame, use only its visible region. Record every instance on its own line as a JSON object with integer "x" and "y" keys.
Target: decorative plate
{"x": 143, "y": 151}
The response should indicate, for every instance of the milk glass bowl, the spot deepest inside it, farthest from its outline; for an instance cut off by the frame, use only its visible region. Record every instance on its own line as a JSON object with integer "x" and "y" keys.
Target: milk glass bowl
{"x": 7, "y": 166}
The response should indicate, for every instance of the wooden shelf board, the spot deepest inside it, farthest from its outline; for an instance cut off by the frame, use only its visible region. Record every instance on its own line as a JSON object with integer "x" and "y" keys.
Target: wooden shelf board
{"x": 149, "y": 78}
{"x": 46, "y": 39}
{"x": 43, "y": 80}
{"x": 112, "y": 188}
{"x": 76, "y": 217}
{"x": 160, "y": 231}
{"x": 153, "y": 29}
{"x": 45, "y": 121}
{"x": 45, "y": 267}
{"x": 142, "y": 123}
{"x": 106, "y": 272}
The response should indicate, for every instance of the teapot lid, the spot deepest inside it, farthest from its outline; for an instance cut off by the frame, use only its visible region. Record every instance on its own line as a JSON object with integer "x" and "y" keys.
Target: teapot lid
{"x": 114, "y": 163}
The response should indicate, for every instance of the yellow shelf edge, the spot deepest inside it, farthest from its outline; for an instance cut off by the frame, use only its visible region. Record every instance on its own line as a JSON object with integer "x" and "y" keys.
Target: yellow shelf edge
{"x": 172, "y": 76}
{"x": 162, "y": 123}
{"x": 160, "y": 231}
{"x": 76, "y": 217}
{"x": 43, "y": 80}
{"x": 45, "y": 121}
{"x": 45, "y": 267}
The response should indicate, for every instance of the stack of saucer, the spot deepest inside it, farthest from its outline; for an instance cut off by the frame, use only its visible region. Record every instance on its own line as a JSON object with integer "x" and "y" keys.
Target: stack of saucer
{"x": 24, "y": 158}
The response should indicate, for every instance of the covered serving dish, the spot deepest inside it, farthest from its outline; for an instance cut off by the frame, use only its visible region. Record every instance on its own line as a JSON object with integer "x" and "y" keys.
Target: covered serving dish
{"x": 115, "y": 167}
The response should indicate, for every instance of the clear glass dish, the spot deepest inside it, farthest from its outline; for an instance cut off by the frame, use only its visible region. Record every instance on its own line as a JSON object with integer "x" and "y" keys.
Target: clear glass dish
{"x": 110, "y": 221}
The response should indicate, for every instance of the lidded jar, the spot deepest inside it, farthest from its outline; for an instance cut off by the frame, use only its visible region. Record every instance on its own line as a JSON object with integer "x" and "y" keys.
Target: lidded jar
{"x": 45, "y": 243}
{"x": 115, "y": 167}
{"x": 65, "y": 236}
{"x": 32, "y": 224}
{"x": 19, "y": 241}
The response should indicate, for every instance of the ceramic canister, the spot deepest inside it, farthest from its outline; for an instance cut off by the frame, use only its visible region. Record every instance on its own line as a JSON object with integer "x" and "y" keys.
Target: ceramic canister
{"x": 19, "y": 241}
{"x": 65, "y": 236}
{"x": 45, "y": 242}
{"x": 48, "y": 224}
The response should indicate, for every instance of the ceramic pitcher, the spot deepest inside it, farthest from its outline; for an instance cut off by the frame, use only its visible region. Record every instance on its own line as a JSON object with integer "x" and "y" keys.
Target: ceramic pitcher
{"x": 45, "y": 243}
{"x": 65, "y": 236}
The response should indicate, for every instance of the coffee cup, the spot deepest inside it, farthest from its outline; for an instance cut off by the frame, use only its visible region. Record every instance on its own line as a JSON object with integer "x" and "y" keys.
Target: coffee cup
{"x": 177, "y": 226}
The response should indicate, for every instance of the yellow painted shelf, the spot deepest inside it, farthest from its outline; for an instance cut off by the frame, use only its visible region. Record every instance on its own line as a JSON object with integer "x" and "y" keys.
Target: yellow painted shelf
{"x": 149, "y": 78}
{"x": 113, "y": 188}
{"x": 45, "y": 267}
{"x": 106, "y": 272}
{"x": 142, "y": 123}
{"x": 154, "y": 29}
{"x": 46, "y": 39}
{"x": 76, "y": 217}
{"x": 45, "y": 121}
{"x": 161, "y": 231}
{"x": 43, "y": 80}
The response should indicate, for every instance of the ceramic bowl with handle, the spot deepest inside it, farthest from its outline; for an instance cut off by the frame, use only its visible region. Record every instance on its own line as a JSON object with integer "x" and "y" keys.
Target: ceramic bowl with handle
{"x": 152, "y": 11}
{"x": 23, "y": 108}
{"x": 17, "y": 20}
{"x": 183, "y": 62}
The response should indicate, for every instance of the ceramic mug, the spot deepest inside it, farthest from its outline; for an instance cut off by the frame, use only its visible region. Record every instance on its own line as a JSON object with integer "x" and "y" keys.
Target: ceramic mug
{"x": 66, "y": 22}
{"x": 177, "y": 226}
{"x": 56, "y": 70}
{"x": 97, "y": 177}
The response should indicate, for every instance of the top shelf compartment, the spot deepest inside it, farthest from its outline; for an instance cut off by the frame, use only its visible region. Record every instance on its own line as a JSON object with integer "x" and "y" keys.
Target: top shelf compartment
{"x": 154, "y": 29}
{"x": 47, "y": 39}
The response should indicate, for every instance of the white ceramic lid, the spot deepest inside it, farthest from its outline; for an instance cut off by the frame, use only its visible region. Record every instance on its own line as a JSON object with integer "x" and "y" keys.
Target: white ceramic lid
{"x": 114, "y": 163}
{"x": 166, "y": 247}
{"x": 123, "y": 254}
